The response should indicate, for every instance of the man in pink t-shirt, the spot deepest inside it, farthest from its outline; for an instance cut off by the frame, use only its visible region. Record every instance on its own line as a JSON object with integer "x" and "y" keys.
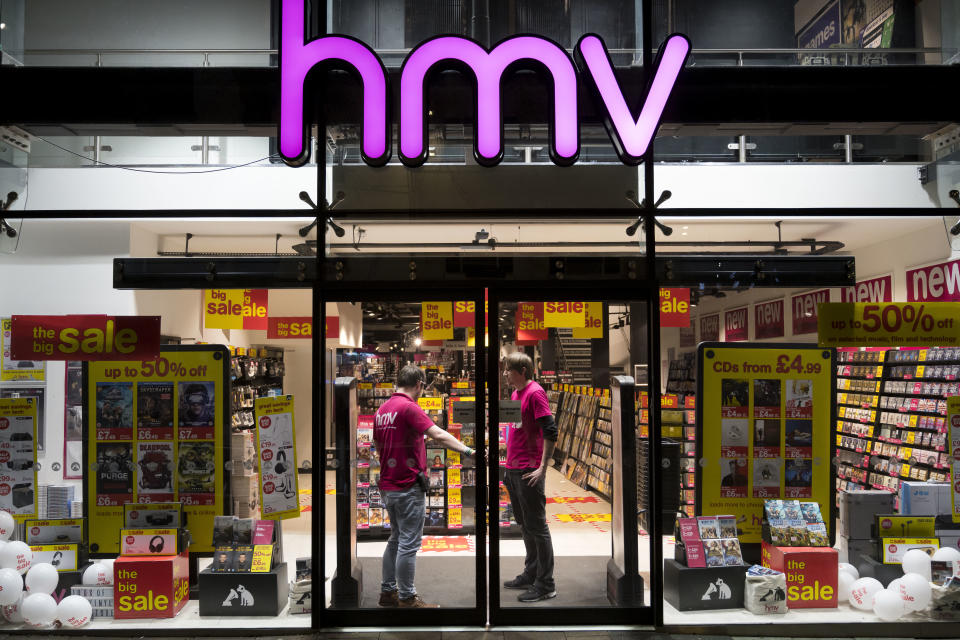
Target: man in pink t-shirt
{"x": 529, "y": 450}
{"x": 398, "y": 432}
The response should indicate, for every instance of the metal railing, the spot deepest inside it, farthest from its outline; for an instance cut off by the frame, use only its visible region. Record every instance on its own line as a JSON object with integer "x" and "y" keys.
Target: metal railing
{"x": 850, "y": 56}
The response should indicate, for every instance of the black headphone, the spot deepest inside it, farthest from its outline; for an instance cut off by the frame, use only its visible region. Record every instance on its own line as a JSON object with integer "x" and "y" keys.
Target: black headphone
{"x": 158, "y": 547}
{"x": 56, "y": 558}
{"x": 281, "y": 466}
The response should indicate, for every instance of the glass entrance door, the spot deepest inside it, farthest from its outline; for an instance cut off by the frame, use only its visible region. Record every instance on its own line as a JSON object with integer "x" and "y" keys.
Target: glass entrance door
{"x": 403, "y": 510}
{"x": 567, "y": 437}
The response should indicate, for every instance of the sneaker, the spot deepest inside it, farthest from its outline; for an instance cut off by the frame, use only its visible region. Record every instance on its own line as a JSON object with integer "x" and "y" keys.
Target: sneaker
{"x": 518, "y": 583}
{"x": 389, "y": 599}
{"x": 533, "y": 594}
{"x": 416, "y": 602}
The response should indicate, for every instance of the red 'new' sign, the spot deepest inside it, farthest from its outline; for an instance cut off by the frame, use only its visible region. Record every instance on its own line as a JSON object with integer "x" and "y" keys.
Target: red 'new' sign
{"x": 735, "y": 326}
{"x": 804, "y": 310}
{"x": 768, "y": 319}
{"x": 90, "y": 337}
{"x": 710, "y": 328}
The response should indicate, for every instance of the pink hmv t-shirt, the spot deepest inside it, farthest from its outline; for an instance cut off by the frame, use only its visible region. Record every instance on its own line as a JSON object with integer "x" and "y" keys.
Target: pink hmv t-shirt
{"x": 525, "y": 441}
{"x": 398, "y": 429}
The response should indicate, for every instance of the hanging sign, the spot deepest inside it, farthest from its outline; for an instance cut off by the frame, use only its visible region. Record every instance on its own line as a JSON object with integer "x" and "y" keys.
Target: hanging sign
{"x": 953, "y": 411}
{"x": 464, "y": 312}
{"x": 735, "y": 326}
{"x": 872, "y": 290}
{"x": 710, "y": 328}
{"x": 593, "y": 323}
{"x": 804, "y": 310}
{"x": 277, "y": 453}
{"x": 768, "y": 319}
{"x": 564, "y": 314}
{"x": 18, "y": 457}
{"x": 436, "y": 321}
{"x": 675, "y": 307}
{"x": 763, "y": 430}
{"x": 688, "y": 336}
{"x": 235, "y": 309}
{"x": 85, "y": 337}
{"x": 294, "y": 327}
{"x": 13, "y": 370}
{"x": 938, "y": 282}
{"x": 892, "y": 324}
{"x": 530, "y": 325}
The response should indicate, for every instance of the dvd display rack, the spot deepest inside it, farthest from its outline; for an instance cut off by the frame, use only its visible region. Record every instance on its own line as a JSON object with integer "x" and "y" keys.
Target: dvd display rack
{"x": 599, "y": 476}
{"x": 579, "y": 409}
{"x": 678, "y": 423}
{"x": 891, "y": 415}
{"x": 371, "y": 395}
{"x": 254, "y": 373}
{"x": 681, "y": 374}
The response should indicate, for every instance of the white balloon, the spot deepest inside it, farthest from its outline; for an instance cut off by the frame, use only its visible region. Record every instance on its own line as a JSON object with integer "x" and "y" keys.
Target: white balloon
{"x": 42, "y": 578}
{"x": 915, "y": 592}
{"x": 895, "y": 585}
{"x": 16, "y": 555}
{"x": 39, "y": 609}
{"x": 74, "y": 611}
{"x": 849, "y": 568}
{"x": 12, "y": 612}
{"x": 11, "y": 586}
{"x": 97, "y": 574}
{"x": 862, "y": 591}
{"x": 844, "y": 582}
{"x": 916, "y": 561}
{"x": 888, "y": 605}
{"x": 7, "y": 524}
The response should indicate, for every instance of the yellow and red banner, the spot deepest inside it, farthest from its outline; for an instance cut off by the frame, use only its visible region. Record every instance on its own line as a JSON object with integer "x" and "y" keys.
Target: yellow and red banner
{"x": 464, "y": 312}
{"x": 436, "y": 320}
{"x": 530, "y": 324}
{"x": 564, "y": 314}
{"x": 891, "y": 324}
{"x": 84, "y": 337}
{"x": 235, "y": 309}
{"x": 593, "y": 324}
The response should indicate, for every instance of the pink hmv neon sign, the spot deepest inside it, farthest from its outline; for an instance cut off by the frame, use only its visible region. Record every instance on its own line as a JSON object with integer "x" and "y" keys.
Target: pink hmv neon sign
{"x": 631, "y": 136}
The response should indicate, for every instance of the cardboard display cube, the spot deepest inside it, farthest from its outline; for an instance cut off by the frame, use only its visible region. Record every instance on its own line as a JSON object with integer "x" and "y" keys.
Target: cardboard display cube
{"x": 244, "y": 594}
{"x": 851, "y": 549}
{"x": 857, "y": 509}
{"x": 150, "y": 586}
{"x": 698, "y": 588}
{"x": 811, "y": 574}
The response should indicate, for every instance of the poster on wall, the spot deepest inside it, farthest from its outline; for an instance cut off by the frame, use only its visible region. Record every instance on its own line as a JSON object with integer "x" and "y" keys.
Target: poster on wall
{"x": 18, "y": 455}
{"x": 16, "y": 370}
{"x": 156, "y": 434}
{"x": 277, "y": 453}
{"x": 39, "y": 394}
{"x": 710, "y": 328}
{"x": 73, "y": 421}
{"x": 803, "y": 309}
{"x": 735, "y": 325}
{"x": 688, "y": 336}
{"x": 871, "y": 290}
{"x": 763, "y": 422}
{"x": 768, "y": 319}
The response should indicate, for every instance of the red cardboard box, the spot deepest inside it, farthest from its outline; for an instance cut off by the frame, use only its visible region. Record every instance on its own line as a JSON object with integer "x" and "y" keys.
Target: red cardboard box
{"x": 150, "y": 586}
{"x": 811, "y": 574}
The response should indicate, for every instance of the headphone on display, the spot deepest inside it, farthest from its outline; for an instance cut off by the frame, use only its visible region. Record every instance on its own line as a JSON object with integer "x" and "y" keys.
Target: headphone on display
{"x": 158, "y": 547}
{"x": 56, "y": 558}
{"x": 281, "y": 466}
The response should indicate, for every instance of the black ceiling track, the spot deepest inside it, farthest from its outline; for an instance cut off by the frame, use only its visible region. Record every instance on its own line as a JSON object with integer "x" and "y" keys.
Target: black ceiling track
{"x": 736, "y": 272}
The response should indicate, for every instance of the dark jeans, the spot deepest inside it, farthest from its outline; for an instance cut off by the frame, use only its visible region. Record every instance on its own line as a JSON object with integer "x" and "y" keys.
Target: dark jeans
{"x": 530, "y": 510}
{"x": 406, "y": 509}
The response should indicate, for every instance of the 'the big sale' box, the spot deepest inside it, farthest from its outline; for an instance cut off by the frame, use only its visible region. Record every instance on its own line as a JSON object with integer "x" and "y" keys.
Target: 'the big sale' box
{"x": 811, "y": 574}
{"x": 150, "y": 586}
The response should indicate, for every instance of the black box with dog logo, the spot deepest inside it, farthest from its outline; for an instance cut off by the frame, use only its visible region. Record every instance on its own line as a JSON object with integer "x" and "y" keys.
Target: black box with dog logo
{"x": 244, "y": 593}
{"x": 694, "y": 588}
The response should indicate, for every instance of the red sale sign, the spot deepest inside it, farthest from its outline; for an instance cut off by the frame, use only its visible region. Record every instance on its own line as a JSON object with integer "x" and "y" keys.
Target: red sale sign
{"x": 675, "y": 307}
{"x": 735, "y": 327}
{"x": 530, "y": 325}
{"x": 84, "y": 337}
{"x": 768, "y": 319}
{"x": 872, "y": 290}
{"x": 710, "y": 328}
{"x": 804, "y": 310}
{"x": 463, "y": 313}
{"x": 292, "y": 327}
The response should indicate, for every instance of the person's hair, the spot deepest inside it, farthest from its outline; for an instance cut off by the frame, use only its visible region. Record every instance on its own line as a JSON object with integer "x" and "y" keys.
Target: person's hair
{"x": 409, "y": 376}
{"x": 519, "y": 362}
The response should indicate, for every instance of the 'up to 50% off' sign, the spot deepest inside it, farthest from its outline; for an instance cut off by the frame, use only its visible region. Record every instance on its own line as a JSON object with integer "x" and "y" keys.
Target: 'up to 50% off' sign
{"x": 892, "y": 324}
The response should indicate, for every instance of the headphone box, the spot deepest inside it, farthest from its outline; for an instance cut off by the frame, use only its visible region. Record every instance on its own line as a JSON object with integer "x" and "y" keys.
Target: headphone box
{"x": 61, "y": 556}
{"x": 702, "y": 588}
{"x": 148, "y": 542}
{"x": 244, "y": 593}
{"x": 150, "y": 586}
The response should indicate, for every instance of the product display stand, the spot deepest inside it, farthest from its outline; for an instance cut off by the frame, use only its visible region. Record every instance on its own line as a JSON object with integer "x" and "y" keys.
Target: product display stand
{"x": 624, "y": 584}
{"x": 347, "y": 583}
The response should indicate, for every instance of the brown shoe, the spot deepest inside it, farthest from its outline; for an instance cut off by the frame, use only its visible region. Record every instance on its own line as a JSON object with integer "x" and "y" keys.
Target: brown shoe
{"x": 416, "y": 603}
{"x": 389, "y": 599}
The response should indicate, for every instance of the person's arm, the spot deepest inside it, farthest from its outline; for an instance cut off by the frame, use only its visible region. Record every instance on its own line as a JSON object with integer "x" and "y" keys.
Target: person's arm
{"x": 549, "y": 429}
{"x": 448, "y": 441}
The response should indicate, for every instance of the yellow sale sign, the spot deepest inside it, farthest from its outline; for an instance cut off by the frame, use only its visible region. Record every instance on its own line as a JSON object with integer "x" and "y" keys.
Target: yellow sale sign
{"x": 593, "y": 323}
{"x": 888, "y": 324}
{"x": 565, "y": 314}
{"x": 764, "y": 421}
{"x": 436, "y": 321}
